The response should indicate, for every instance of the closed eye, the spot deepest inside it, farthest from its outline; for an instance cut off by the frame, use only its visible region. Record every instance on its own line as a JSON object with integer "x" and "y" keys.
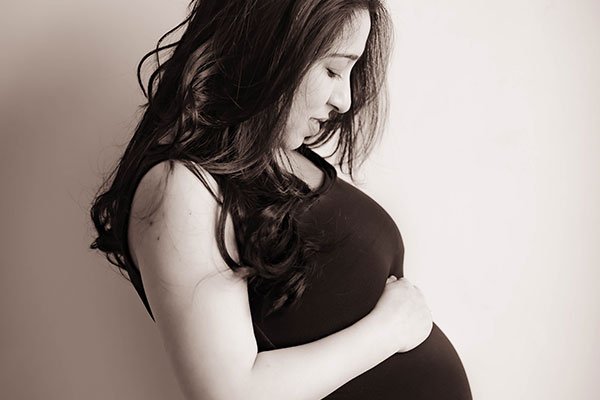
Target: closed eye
{"x": 332, "y": 74}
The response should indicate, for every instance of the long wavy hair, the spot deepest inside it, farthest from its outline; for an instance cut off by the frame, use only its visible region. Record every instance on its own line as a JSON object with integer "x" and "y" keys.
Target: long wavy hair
{"x": 220, "y": 101}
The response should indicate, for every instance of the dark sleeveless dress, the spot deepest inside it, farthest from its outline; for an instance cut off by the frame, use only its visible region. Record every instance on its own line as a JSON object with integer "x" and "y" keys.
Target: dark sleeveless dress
{"x": 349, "y": 285}
{"x": 351, "y": 280}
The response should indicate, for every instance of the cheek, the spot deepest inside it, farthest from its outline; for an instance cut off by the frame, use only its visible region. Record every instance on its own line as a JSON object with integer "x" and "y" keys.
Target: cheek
{"x": 317, "y": 92}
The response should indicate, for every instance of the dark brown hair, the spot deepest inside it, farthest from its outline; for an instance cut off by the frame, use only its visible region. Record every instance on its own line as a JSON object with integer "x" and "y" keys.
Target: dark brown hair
{"x": 220, "y": 102}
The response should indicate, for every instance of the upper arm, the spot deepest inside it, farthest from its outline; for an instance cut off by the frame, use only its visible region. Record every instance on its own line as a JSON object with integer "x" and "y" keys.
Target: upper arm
{"x": 200, "y": 306}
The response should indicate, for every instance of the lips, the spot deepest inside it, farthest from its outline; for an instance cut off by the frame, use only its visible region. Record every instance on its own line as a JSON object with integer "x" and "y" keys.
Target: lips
{"x": 315, "y": 125}
{"x": 320, "y": 121}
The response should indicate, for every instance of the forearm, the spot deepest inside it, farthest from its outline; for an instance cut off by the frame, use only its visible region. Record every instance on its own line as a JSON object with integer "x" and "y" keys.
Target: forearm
{"x": 314, "y": 370}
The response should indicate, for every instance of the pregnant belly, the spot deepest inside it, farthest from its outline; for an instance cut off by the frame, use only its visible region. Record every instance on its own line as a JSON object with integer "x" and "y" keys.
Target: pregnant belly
{"x": 431, "y": 371}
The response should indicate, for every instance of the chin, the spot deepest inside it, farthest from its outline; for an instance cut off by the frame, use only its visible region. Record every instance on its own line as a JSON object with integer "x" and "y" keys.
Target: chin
{"x": 296, "y": 146}
{"x": 293, "y": 144}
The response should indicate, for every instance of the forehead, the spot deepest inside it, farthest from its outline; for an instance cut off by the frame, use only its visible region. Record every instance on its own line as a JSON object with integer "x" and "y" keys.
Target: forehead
{"x": 353, "y": 37}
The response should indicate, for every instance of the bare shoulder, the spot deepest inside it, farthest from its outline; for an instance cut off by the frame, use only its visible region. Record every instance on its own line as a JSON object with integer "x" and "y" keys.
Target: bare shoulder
{"x": 178, "y": 183}
{"x": 200, "y": 306}
{"x": 173, "y": 216}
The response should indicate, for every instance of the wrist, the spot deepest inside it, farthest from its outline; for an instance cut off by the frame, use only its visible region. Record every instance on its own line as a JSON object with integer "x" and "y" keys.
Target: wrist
{"x": 381, "y": 333}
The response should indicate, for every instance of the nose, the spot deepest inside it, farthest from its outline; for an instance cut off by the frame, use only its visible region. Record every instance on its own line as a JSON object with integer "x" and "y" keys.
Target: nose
{"x": 341, "y": 96}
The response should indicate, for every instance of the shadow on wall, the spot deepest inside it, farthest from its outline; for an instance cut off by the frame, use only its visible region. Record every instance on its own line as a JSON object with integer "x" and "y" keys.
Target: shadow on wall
{"x": 69, "y": 104}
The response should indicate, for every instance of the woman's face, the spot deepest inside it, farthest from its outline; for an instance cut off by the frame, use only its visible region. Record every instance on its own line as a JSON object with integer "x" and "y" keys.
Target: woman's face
{"x": 326, "y": 85}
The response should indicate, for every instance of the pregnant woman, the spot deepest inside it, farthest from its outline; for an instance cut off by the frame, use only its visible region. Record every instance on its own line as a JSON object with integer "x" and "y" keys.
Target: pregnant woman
{"x": 268, "y": 276}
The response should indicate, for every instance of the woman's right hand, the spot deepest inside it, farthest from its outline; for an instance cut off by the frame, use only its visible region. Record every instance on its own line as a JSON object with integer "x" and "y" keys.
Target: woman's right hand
{"x": 404, "y": 313}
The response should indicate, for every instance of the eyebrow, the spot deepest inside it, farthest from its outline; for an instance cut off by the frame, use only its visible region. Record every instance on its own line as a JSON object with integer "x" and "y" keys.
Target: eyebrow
{"x": 352, "y": 57}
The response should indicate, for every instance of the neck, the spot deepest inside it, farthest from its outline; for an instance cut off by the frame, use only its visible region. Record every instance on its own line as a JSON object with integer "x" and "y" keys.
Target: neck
{"x": 289, "y": 159}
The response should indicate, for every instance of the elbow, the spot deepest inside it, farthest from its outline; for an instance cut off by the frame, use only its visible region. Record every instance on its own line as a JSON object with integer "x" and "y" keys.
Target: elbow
{"x": 229, "y": 383}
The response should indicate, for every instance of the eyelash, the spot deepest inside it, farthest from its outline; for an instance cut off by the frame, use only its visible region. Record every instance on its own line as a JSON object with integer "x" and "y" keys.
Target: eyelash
{"x": 332, "y": 74}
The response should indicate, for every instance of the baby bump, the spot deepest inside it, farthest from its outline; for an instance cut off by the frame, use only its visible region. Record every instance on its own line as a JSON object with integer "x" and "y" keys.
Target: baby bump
{"x": 430, "y": 371}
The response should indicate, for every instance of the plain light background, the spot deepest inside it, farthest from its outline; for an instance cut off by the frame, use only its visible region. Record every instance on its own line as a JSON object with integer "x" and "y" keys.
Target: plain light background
{"x": 490, "y": 167}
